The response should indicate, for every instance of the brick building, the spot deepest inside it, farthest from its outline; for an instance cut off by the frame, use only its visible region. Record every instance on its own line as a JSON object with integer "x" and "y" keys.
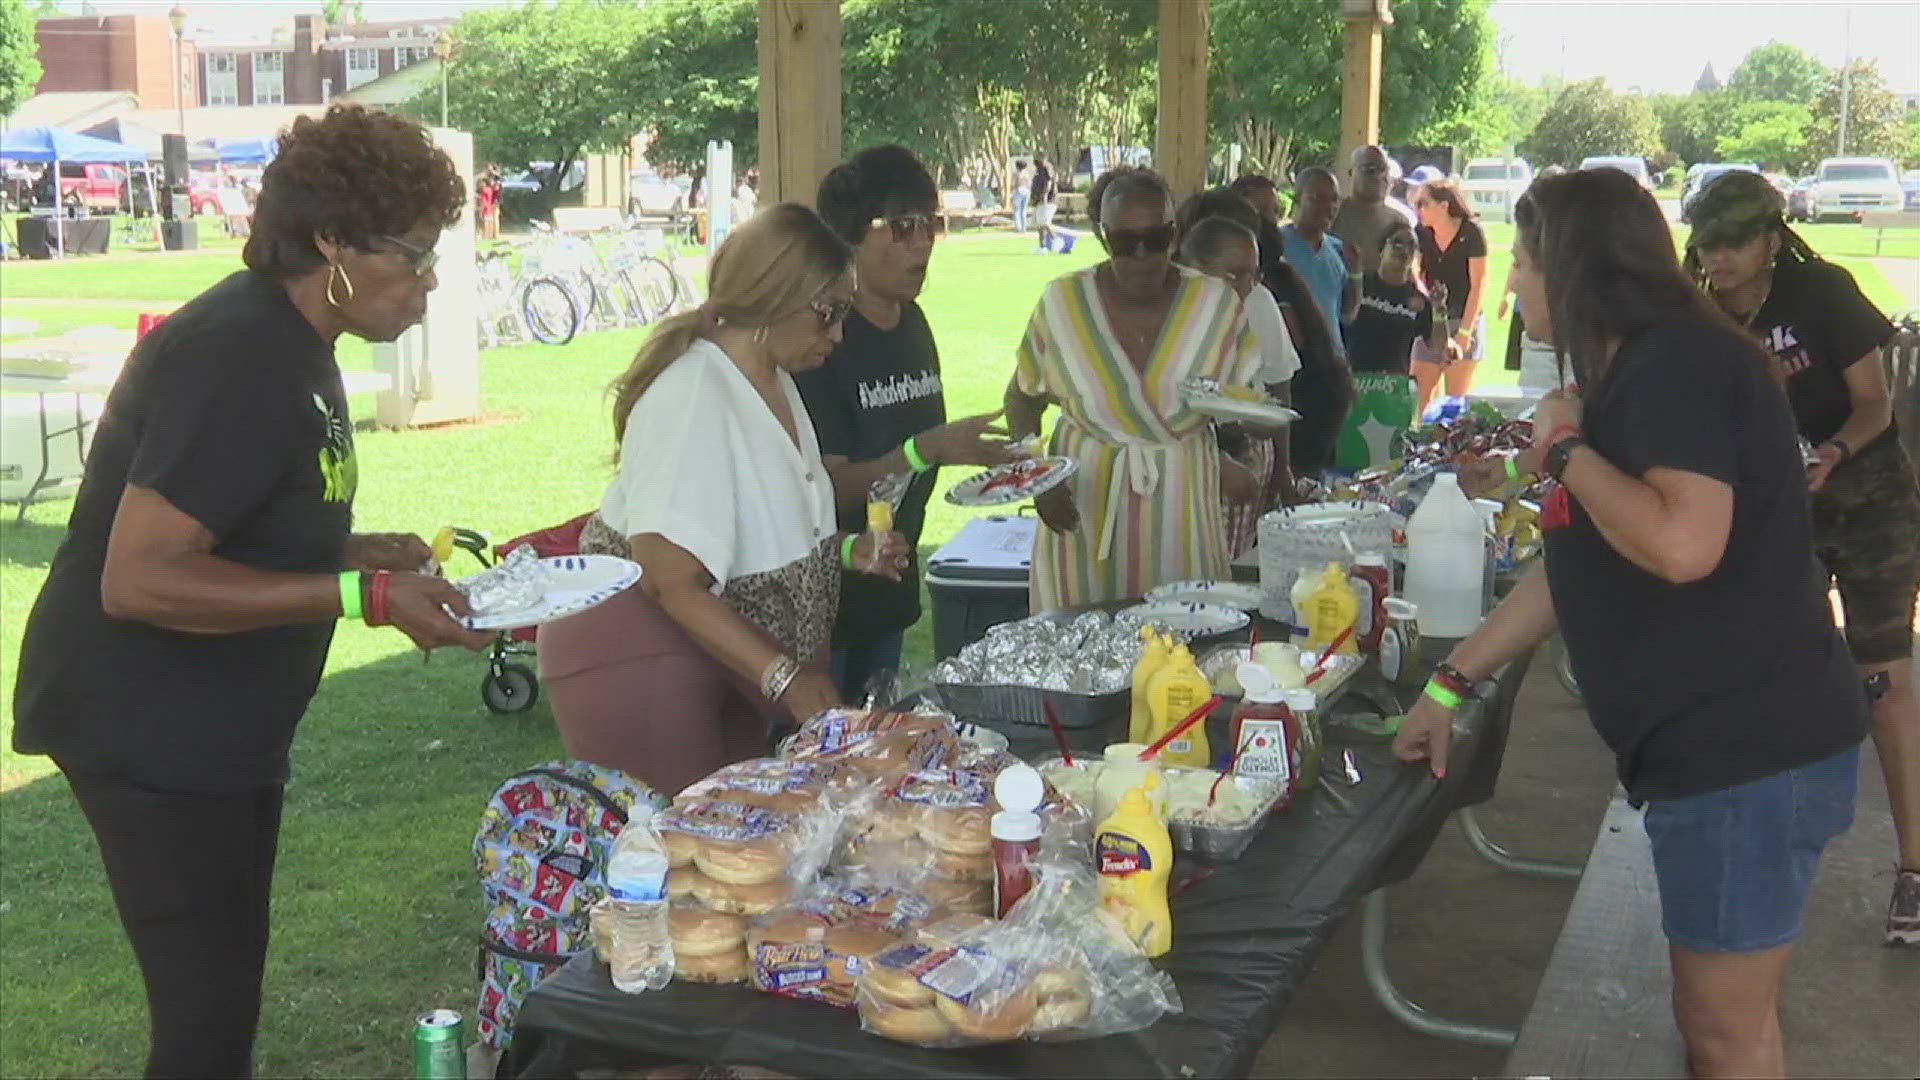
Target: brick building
{"x": 132, "y": 53}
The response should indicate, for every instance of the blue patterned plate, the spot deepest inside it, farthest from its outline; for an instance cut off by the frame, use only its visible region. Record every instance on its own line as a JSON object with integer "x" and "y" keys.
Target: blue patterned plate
{"x": 574, "y": 584}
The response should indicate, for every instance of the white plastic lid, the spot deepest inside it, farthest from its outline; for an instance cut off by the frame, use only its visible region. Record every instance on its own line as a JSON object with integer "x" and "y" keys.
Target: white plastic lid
{"x": 1370, "y": 558}
{"x": 1015, "y": 826}
{"x": 1019, "y": 788}
{"x": 1302, "y": 700}
{"x": 1258, "y": 683}
{"x": 1401, "y": 608}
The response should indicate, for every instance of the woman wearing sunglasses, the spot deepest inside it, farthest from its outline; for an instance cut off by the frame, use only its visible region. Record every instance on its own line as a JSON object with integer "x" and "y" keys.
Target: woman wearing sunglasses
{"x": 723, "y": 500}
{"x": 1111, "y": 346}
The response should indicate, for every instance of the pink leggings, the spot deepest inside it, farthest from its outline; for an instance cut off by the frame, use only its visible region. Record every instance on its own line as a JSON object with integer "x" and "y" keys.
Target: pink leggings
{"x": 632, "y": 691}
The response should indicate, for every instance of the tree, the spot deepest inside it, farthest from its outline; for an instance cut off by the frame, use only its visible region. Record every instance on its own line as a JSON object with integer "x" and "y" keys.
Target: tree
{"x": 1503, "y": 112}
{"x": 1771, "y": 134}
{"x": 19, "y": 55}
{"x": 1588, "y": 119}
{"x": 1778, "y": 71}
{"x": 1874, "y": 117}
{"x": 691, "y": 74}
{"x": 1691, "y": 124}
{"x": 1910, "y": 153}
{"x": 540, "y": 83}
{"x": 892, "y": 93}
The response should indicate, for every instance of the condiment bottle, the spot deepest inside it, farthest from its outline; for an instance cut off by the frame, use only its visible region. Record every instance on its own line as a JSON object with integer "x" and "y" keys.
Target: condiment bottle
{"x": 1153, "y": 656}
{"x": 1304, "y": 704}
{"x": 1123, "y": 769}
{"x": 1016, "y": 843}
{"x": 1331, "y": 608}
{"x": 1134, "y": 856}
{"x": 1266, "y": 735}
{"x": 1372, "y": 583}
{"x": 1301, "y": 594}
{"x": 1400, "y": 645}
{"x": 1173, "y": 693}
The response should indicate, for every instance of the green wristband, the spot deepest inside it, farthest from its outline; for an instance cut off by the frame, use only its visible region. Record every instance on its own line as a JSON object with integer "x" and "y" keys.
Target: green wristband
{"x": 1513, "y": 470}
{"x": 846, "y": 550}
{"x": 912, "y": 453}
{"x": 1442, "y": 696}
{"x": 349, "y": 594}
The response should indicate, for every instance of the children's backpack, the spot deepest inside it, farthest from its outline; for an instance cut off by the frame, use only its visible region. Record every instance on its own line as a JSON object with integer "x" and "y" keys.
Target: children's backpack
{"x": 541, "y": 852}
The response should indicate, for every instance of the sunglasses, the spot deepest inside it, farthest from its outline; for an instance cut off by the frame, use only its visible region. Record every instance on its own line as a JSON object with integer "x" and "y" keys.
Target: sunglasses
{"x": 830, "y": 311}
{"x": 423, "y": 260}
{"x": 905, "y": 226}
{"x": 1126, "y": 243}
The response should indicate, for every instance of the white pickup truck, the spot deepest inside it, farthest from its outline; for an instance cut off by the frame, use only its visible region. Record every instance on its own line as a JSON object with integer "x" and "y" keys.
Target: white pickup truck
{"x": 1493, "y": 185}
{"x": 1850, "y": 187}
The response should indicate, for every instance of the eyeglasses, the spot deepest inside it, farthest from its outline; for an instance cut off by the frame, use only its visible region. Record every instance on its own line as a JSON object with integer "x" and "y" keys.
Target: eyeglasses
{"x": 422, "y": 259}
{"x": 1126, "y": 243}
{"x": 906, "y": 225}
{"x": 830, "y": 311}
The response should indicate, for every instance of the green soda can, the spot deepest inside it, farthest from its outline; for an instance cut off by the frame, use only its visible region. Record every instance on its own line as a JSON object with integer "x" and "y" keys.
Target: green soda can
{"x": 439, "y": 1051}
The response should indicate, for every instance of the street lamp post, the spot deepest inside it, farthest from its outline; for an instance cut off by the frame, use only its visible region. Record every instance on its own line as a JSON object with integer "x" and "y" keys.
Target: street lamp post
{"x": 443, "y": 48}
{"x": 178, "y": 17}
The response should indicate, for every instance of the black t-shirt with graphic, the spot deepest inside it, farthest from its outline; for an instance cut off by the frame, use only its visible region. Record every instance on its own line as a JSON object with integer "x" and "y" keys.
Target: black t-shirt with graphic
{"x": 878, "y": 389}
{"x": 1381, "y": 336}
{"x": 231, "y": 409}
{"x": 1741, "y": 674}
{"x": 1450, "y": 267}
{"x": 1816, "y": 324}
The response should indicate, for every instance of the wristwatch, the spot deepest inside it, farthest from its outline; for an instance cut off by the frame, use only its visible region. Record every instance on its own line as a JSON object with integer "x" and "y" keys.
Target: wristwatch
{"x": 1554, "y": 462}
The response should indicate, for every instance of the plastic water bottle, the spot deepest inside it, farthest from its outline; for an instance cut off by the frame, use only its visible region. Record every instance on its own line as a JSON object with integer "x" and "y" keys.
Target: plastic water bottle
{"x": 1447, "y": 560}
{"x": 637, "y": 892}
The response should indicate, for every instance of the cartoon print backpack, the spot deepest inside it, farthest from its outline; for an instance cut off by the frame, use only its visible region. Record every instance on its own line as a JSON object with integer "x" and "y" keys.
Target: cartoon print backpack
{"x": 541, "y": 852}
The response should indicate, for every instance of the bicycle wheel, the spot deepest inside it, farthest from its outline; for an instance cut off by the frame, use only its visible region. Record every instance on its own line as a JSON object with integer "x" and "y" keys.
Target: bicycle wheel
{"x": 551, "y": 314}
{"x": 657, "y": 285}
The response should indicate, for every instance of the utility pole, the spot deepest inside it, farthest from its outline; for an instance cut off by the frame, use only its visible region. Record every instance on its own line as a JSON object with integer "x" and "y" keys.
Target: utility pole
{"x": 1846, "y": 84}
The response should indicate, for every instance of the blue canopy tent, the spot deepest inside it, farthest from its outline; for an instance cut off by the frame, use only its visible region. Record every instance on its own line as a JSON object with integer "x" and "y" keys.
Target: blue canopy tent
{"x": 249, "y": 151}
{"x": 56, "y": 147}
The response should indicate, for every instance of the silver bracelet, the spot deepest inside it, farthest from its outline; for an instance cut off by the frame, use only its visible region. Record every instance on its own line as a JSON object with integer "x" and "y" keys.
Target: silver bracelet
{"x": 778, "y": 676}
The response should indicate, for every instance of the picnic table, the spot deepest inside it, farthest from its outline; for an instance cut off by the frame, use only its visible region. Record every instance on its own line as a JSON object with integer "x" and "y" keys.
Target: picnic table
{"x": 1247, "y": 933}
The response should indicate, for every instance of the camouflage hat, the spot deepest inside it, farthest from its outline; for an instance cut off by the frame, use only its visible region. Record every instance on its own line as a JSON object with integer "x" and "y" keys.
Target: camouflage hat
{"x": 1734, "y": 208}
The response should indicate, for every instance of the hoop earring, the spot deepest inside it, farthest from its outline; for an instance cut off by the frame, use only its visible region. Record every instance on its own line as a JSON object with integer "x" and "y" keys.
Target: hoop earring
{"x": 335, "y": 273}
{"x": 760, "y": 336}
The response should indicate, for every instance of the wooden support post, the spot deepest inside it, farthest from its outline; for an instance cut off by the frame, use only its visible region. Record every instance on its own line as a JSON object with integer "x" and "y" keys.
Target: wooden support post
{"x": 799, "y": 97}
{"x": 1360, "y": 77}
{"x": 1180, "y": 143}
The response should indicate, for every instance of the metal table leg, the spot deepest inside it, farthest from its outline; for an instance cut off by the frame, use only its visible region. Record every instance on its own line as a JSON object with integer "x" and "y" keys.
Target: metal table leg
{"x": 1373, "y": 959}
{"x": 1484, "y": 845}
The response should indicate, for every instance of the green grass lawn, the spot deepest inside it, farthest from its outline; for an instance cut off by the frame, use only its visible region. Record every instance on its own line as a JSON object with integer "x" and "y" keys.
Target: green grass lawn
{"x": 375, "y": 901}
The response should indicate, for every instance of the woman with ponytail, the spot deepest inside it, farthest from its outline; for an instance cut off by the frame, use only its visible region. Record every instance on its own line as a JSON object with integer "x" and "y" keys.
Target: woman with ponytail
{"x": 722, "y": 499}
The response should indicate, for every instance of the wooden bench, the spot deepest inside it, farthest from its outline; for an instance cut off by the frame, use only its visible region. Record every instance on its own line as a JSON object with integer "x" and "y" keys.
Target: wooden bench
{"x": 1882, "y": 220}
{"x": 1604, "y": 1005}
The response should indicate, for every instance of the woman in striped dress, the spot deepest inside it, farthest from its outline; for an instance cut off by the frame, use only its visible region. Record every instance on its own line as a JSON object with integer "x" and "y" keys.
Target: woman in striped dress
{"x": 1110, "y": 346}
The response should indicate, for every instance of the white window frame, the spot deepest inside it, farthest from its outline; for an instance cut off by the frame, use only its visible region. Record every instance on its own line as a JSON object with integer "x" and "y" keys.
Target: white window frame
{"x": 408, "y": 55}
{"x": 362, "y": 74}
{"x": 220, "y": 80}
{"x": 269, "y": 78}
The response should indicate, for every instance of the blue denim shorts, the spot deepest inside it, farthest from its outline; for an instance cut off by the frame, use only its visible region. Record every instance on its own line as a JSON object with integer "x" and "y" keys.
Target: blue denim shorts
{"x": 1735, "y": 865}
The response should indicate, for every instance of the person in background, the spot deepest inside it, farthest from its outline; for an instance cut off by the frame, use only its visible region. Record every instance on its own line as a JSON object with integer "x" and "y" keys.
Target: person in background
{"x": 187, "y": 615}
{"x": 487, "y": 201}
{"x": 1331, "y": 271}
{"x": 1111, "y": 345}
{"x": 745, "y": 199}
{"x": 877, "y": 403}
{"x": 1227, "y": 250}
{"x": 1825, "y": 339}
{"x": 1394, "y": 311}
{"x": 1453, "y": 254}
{"x": 1022, "y": 193}
{"x": 1540, "y": 370}
{"x": 1680, "y": 528}
{"x": 1042, "y": 191}
{"x": 722, "y": 498}
{"x": 1367, "y": 214}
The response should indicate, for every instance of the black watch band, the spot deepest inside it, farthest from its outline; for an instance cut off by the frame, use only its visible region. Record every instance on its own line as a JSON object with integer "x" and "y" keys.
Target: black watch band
{"x": 1554, "y": 462}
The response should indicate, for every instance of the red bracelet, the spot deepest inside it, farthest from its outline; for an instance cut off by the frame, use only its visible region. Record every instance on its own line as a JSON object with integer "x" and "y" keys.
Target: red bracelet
{"x": 377, "y": 599}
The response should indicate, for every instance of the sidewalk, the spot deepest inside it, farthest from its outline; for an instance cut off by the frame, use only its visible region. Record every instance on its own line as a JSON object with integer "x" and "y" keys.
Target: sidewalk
{"x": 1904, "y": 276}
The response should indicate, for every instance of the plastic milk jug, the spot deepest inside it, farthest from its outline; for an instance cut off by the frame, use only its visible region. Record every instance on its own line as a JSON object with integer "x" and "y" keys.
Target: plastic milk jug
{"x": 1175, "y": 691}
{"x": 1153, "y": 656}
{"x": 1447, "y": 560}
{"x": 1134, "y": 856}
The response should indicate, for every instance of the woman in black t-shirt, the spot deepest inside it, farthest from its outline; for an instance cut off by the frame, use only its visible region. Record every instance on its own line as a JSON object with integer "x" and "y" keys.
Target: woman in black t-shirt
{"x": 1680, "y": 573}
{"x": 1453, "y": 256}
{"x": 1394, "y": 311}
{"x": 1825, "y": 339}
{"x": 187, "y": 615}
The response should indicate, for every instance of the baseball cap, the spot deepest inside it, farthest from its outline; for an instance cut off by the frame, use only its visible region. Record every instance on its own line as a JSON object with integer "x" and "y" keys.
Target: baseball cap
{"x": 1425, "y": 173}
{"x": 1734, "y": 208}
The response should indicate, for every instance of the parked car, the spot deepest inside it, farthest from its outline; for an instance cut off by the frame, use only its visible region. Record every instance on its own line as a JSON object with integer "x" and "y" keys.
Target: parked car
{"x": 532, "y": 179}
{"x": 1697, "y": 181}
{"x": 1910, "y": 184}
{"x": 1635, "y": 167}
{"x": 1797, "y": 197}
{"x": 650, "y": 194}
{"x": 1849, "y": 187}
{"x": 100, "y": 188}
{"x": 1493, "y": 185}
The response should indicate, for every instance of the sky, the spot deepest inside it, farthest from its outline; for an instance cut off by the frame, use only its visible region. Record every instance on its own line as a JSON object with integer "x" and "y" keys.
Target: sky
{"x": 1651, "y": 44}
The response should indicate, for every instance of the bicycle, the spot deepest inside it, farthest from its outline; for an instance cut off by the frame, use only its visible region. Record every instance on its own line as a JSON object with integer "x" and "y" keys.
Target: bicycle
{"x": 516, "y": 306}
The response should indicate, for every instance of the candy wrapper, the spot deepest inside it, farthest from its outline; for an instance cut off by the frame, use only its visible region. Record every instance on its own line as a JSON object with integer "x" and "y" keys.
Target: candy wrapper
{"x": 1092, "y": 653}
{"x": 515, "y": 583}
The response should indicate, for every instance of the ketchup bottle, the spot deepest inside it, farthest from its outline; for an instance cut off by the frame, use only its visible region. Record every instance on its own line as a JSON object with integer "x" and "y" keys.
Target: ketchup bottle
{"x": 1265, "y": 733}
{"x": 1016, "y": 843}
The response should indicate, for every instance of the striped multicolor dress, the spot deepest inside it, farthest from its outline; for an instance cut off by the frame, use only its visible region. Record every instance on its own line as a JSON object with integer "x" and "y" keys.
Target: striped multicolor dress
{"x": 1148, "y": 486}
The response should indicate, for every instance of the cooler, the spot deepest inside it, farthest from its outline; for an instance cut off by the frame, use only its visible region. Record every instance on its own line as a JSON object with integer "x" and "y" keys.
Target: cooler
{"x": 978, "y": 580}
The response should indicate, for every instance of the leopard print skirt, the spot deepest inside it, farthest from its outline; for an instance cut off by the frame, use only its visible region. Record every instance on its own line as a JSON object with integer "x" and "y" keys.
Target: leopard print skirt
{"x": 794, "y": 604}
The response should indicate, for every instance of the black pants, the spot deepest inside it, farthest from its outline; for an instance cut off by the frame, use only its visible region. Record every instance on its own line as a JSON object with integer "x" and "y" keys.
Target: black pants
{"x": 192, "y": 877}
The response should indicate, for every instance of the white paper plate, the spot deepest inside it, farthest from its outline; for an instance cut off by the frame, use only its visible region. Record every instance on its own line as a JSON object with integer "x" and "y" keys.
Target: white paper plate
{"x": 1221, "y": 407}
{"x": 574, "y": 584}
{"x": 1203, "y": 620}
{"x": 1030, "y": 478}
{"x": 1234, "y": 594}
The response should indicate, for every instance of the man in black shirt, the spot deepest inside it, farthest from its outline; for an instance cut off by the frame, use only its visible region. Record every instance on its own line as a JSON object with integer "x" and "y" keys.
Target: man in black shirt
{"x": 1041, "y": 197}
{"x": 876, "y": 404}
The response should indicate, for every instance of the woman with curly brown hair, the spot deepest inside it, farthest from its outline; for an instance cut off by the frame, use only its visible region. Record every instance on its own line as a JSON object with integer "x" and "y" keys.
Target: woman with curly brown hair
{"x": 187, "y": 615}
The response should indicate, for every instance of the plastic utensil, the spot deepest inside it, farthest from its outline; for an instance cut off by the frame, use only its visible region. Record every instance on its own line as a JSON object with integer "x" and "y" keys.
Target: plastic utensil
{"x": 1059, "y": 735}
{"x": 1320, "y": 666}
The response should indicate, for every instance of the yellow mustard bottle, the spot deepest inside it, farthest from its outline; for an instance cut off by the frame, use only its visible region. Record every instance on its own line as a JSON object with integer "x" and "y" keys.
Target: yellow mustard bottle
{"x": 1332, "y": 607}
{"x": 1153, "y": 656}
{"x": 1175, "y": 691}
{"x": 1134, "y": 856}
